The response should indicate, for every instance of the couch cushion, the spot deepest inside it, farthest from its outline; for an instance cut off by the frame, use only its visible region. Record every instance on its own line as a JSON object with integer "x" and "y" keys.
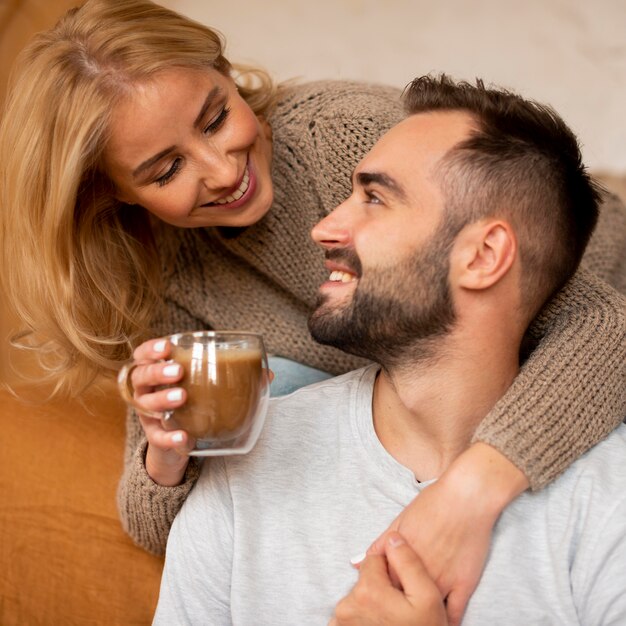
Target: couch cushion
{"x": 64, "y": 558}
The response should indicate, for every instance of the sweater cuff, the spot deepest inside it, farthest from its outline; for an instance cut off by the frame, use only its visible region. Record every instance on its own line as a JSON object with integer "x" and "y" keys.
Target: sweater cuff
{"x": 148, "y": 509}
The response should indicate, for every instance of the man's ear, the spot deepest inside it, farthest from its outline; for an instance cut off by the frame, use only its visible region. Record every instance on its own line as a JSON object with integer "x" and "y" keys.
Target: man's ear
{"x": 484, "y": 252}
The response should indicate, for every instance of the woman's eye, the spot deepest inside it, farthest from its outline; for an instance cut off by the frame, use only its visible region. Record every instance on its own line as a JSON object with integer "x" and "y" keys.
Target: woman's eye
{"x": 163, "y": 180}
{"x": 217, "y": 121}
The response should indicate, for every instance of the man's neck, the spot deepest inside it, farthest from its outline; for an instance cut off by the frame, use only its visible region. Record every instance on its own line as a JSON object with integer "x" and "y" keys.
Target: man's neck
{"x": 426, "y": 413}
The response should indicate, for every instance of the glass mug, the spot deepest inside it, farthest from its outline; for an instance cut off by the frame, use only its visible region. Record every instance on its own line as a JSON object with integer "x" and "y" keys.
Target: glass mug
{"x": 226, "y": 378}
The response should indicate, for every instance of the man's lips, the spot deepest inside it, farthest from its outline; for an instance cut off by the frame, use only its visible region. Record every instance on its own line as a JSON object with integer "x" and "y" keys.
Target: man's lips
{"x": 340, "y": 273}
{"x": 341, "y": 277}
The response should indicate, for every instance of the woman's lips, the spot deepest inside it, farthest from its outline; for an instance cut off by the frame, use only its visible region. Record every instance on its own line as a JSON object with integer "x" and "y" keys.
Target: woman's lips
{"x": 241, "y": 194}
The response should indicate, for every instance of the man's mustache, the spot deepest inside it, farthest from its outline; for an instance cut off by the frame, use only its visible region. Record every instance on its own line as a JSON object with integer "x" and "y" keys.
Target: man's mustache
{"x": 347, "y": 257}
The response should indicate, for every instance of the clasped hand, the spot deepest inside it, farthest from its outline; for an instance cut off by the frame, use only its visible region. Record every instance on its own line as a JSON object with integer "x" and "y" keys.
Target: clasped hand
{"x": 377, "y": 600}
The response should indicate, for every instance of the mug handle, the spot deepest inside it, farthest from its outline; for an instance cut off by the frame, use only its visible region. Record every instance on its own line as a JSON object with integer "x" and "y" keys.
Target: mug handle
{"x": 126, "y": 390}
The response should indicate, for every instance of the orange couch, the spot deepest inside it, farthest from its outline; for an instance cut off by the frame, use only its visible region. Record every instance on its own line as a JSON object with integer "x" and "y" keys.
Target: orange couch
{"x": 64, "y": 558}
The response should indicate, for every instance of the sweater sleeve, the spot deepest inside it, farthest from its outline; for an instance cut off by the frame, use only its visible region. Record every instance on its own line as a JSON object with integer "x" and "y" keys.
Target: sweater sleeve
{"x": 571, "y": 392}
{"x": 605, "y": 255}
{"x": 147, "y": 509}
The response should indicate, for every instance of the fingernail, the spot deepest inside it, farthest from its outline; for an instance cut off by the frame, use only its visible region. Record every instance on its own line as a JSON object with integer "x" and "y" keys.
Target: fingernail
{"x": 171, "y": 370}
{"x": 355, "y": 560}
{"x": 177, "y": 438}
{"x": 159, "y": 346}
{"x": 175, "y": 395}
{"x": 395, "y": 541}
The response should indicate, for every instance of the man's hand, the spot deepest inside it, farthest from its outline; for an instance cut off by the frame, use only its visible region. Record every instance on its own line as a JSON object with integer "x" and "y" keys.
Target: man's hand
{"x": 376, "y": 601}
{"x": 450, "y": 523}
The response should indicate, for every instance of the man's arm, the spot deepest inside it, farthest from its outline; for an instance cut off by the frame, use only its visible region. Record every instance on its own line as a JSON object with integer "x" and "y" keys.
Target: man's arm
{"x": 195, "y": 587}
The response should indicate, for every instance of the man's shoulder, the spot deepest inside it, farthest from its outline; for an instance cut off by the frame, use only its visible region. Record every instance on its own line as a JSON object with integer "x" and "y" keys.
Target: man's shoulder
{"x": 605, "y": 453}
{"x": 319, "y": 396}
{"x": 598, "y": 477}
{"x": 313, "y": 414}
{"x": 606, "y": 461}
{"x": 301, "y": 428}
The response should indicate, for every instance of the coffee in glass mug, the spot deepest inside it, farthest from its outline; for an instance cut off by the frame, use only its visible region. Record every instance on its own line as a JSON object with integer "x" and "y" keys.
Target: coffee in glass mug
{"x": 227, "y": 385}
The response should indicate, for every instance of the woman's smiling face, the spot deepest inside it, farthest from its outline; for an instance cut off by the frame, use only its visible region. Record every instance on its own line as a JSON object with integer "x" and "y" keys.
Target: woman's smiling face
{"x": 189, "y": 149}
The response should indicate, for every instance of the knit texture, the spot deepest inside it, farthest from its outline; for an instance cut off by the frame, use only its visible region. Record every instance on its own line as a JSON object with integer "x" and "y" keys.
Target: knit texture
{"x": 556, "y": 408}
{"x": 265, "y": 279}
{"x": 146, "y": 508}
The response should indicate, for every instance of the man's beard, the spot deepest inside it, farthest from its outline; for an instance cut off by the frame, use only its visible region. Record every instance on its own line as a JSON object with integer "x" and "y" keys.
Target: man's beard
{"x": 397, "y": 313}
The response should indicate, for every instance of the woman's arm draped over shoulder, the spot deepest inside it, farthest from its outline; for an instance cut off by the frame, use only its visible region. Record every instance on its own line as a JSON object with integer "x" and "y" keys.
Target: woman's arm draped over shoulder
{"x": 571, "y": 392}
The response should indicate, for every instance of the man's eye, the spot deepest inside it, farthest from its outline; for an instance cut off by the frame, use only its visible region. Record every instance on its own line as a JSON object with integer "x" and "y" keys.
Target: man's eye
{"x": 163, "y": 180}
{"x": 216, "y": 122}
{"x": 372, "y": 197}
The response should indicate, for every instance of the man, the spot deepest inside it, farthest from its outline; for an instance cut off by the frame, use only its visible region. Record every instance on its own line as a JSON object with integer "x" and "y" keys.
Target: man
{"x": 463, "y": 220}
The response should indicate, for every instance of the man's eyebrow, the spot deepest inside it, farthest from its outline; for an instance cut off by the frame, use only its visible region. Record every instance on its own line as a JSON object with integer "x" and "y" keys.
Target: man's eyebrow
{"x": 208, "y": 101}
{"x": 378, "y": 178}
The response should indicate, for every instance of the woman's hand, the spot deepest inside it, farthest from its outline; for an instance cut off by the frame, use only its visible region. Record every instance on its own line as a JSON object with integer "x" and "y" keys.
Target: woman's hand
{"x": 377, "y": 601}
{"x": 166, "y": 457}
{"x": 450, "y": 523}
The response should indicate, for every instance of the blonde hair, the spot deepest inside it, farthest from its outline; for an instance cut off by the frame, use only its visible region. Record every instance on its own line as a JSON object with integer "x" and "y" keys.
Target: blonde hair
{"x": 81, "y": 275}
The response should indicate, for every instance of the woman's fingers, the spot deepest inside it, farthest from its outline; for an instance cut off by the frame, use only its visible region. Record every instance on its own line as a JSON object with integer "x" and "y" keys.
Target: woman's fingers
{"x": 154, "y": 379}
{"x": 163, "y": 400}
{"x": 152, "y": 350}
{"x": 177, "y": 440}
{"x": 145, "y": 377}
{"x": 166, "y": 457}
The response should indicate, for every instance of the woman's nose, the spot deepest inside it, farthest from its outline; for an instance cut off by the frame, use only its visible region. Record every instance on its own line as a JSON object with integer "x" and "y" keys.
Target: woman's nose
{"x": 220, "y": 169}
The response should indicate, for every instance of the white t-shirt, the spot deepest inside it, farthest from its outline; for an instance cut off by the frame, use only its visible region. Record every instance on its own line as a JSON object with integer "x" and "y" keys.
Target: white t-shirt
{"x": 266, "y": 539}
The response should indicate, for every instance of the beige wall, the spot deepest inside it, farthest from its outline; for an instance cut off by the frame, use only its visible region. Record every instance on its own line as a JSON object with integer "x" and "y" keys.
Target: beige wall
{"x": 570, "y": 53}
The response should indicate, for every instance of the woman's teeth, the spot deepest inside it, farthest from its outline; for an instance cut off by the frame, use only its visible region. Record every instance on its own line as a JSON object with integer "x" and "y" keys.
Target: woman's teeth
{"x": 236, "y": 194}
{"x": 341, "y": 277}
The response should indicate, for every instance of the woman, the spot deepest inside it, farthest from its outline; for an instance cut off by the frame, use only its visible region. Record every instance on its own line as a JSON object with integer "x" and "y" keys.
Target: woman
{"x": 144, "y": 191}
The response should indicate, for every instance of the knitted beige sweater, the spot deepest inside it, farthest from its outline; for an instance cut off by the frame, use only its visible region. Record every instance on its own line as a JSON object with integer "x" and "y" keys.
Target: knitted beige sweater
{"x": 569, "y": 394}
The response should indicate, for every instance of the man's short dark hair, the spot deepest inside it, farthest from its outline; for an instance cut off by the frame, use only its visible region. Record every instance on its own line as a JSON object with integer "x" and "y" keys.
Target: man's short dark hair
{"x": 523, "y": 163}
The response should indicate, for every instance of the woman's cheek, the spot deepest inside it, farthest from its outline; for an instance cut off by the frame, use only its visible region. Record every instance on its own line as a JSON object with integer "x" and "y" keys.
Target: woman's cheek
{"x": 249, "y": 129}
{"x": 174, "y": 205}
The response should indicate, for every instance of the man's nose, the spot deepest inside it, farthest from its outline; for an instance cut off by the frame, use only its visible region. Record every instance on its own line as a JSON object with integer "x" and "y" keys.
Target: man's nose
{"x": 332, "y": 230}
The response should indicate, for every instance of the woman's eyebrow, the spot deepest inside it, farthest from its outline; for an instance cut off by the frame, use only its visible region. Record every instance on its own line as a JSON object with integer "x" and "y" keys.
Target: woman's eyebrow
{"x": 214, "y": 93}
{"x": 148, "y": 163}
{"x": 206, "y": 105}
